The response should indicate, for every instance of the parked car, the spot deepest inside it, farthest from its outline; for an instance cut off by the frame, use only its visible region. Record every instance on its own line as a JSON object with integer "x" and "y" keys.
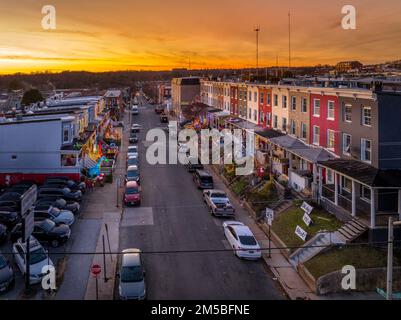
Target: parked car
{"x": 218, "y": 203}
{"x": 3, "y": 233}
{"x": 135, "y": 128}
{"x": 7, "y": 278}
{"x": 54, "y": 192}
{"x": 39, "y": 258}
{"x": 133, "y": 138}
{"x": 46, "y": 211}
{"x": 132, "y": 151}
{"x": 131, "y": 275}
{"x": 159, "y": 109}
{"x": 11, "y": 200}
{"x": 194, "y": 164}
{"x": 68, "y": 182}
{"x": 45, "y": 231}
{"x": 60, "y": 203}
{"x": 203, "y": 180}
{"x": 242, "y": 240}
{"x": 132, "y": 174}
{"x": 135, "y": 109}
{"x": 163, "y": 118}
{"x": 9, "y": 217}
{"x": 132, "y": 161}
{"x": 132, "y": 193}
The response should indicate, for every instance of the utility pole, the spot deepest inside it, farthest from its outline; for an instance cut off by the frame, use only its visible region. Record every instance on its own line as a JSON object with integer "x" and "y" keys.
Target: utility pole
{"x": 257, "y": 29}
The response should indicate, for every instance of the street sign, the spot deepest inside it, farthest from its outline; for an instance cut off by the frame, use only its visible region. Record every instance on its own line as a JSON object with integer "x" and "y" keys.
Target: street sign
{"x": 301, "y": 233}
{"x": 28, "y": 199}
{"x": 96, "y": 270}
{"x": 28, "y": 225}
{"x": 306, "y": 207}
{"x": 269, "y": 216}
{"x": 307, "y": 219}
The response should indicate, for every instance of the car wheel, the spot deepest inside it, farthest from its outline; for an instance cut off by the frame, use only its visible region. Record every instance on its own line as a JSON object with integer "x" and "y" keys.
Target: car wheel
{"x": 54, "y": 243}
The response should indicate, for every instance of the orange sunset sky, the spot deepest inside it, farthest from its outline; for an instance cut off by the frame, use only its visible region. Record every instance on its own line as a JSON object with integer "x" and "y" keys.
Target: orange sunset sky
{"x": 154, "y": 34}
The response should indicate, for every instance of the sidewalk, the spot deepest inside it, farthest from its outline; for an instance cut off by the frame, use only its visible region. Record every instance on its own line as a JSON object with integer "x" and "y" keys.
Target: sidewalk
{"x": 291, "y": 282}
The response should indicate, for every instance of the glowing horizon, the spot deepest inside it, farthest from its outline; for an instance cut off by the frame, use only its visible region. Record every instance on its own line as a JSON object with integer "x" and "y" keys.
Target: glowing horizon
{"x": 159, "y": 36}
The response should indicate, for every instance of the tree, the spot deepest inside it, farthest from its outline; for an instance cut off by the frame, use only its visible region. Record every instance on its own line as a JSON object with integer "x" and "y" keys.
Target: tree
{"x": 31, "y": 96}
{"x": 14, "y": 85}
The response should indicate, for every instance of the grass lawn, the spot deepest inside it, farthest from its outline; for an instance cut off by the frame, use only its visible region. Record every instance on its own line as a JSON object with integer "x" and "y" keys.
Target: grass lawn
{"x": 357, "y": 256}
{"x": 239, "y": 186}
{"x": 284, "y": 225}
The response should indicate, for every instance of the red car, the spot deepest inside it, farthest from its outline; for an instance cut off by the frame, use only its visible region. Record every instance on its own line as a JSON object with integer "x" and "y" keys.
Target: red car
{"x": 132, "y": 193}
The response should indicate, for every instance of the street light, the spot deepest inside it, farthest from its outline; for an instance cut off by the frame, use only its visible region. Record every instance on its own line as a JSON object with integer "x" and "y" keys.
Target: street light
{"x": 390, "y": 245}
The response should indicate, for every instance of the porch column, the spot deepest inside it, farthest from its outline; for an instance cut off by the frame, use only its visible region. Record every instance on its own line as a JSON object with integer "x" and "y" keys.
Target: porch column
{"x": 399, "y": 203}
{"x": 336, "y": 188}
{"x": 372, "y": 208}
{"x": 353, "y": 198}
{"x": 319, "y": 196}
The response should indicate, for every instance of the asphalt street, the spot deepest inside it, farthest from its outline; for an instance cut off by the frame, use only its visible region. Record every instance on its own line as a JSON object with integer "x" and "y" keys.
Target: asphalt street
{"x": 172, "y": 219}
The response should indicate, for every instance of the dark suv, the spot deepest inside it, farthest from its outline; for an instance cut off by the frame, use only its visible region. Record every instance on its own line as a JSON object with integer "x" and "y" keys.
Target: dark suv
{"x": 203, "y": 180}
{"x": 53, "y": 192}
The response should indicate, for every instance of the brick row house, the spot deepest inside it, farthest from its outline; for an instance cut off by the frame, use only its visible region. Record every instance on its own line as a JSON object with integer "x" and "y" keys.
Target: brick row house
{"x": 339, "y": 146}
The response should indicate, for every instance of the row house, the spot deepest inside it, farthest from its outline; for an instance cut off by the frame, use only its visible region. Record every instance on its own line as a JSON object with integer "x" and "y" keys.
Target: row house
{"x": 265, "y": 106}
{"x": 280, "y": 108}
{"x": 234, "y": 99}
{"x": 253, "y": 104}
{"x": 299, "y": 114}
{"x": 227, "y": 97}
{"x": 242, "y": 100}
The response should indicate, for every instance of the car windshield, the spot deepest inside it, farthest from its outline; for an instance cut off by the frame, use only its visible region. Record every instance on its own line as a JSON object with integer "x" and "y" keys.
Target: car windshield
{"x": 132, "y": 149}
{"x": 248, "y": 240}
{"x": 132, "y": 173}
{"x": 131, "y": 191}
{"x": 55, "y": 211}
{"x": 37, "y": 255}
{"x": 48, "y": 225}
{"x": 132, "y": 161}
{"x": 207, "y": 179}
{"x": 218, "y": 195}
{"x": 132, "y": 274}
{"x": 3, "y": 262}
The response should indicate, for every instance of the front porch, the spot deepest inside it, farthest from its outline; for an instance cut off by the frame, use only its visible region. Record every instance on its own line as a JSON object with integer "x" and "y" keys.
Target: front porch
{"x": 352, "y": 189}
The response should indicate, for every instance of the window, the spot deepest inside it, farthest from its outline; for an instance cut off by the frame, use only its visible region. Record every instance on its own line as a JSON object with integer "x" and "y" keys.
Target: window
{"x": 366, "y": 150}
{"x": 293, "y": 127}
{"x": 346, "y": 144}
{"x": 316, "y": 135}
{"x": 316, "y": 107}
{"x": 347, "y": 184}
{"x": 66, "y": 134}
{"x": 250, "y": 96}
{"x": 255, "y": 96}
{"x": 304, "y": 105}
{"x": 68, "y": 160}
{"x": 250, "y": 114}
{"x": 293, "y": 103}
{"x": 284, "y": 101}
{"x": 365, "y": 194}
{"x": 268, "y": 118}
{"x": 330, "y": 110}
{"x": 347, "y": 111}
{"x": 329, "y": 176}
{"x": 330, "y": 139}
{"x": 284, "y": 124}
{"x": 275, "y": 121}
{"x": 262, "y": 96}
{"x": 255, "y": 115}
{"x": 367, "y": 116}
{"x": 275, "y": 100}
{"x": 268, "y": 98}
{"x": 303, "y": 130}
{"x": 261, "y": 116}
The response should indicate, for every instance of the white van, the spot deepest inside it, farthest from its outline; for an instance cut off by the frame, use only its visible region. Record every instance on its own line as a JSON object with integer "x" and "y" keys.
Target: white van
{"x": 135, "y": 109}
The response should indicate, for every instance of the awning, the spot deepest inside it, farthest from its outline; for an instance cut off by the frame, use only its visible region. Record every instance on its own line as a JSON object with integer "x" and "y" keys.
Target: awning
{"x": 365, "y": 173}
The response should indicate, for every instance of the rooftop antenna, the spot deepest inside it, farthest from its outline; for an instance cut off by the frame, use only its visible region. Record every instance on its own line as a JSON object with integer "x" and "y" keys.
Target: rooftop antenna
{"x": 257, "y": 29}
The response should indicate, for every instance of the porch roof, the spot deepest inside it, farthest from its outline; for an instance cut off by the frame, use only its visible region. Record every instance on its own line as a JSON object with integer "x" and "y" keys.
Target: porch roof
{"x": 268, "y": 133}
{"x": 243, "y": 124}
{"x": 364, "y": 173}
{"x": 288, "y": 142}
{"x": 312, "y": 154}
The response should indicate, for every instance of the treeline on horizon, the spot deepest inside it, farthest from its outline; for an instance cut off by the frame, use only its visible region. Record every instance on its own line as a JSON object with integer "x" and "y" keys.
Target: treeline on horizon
{"x": 114, "y": 79}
